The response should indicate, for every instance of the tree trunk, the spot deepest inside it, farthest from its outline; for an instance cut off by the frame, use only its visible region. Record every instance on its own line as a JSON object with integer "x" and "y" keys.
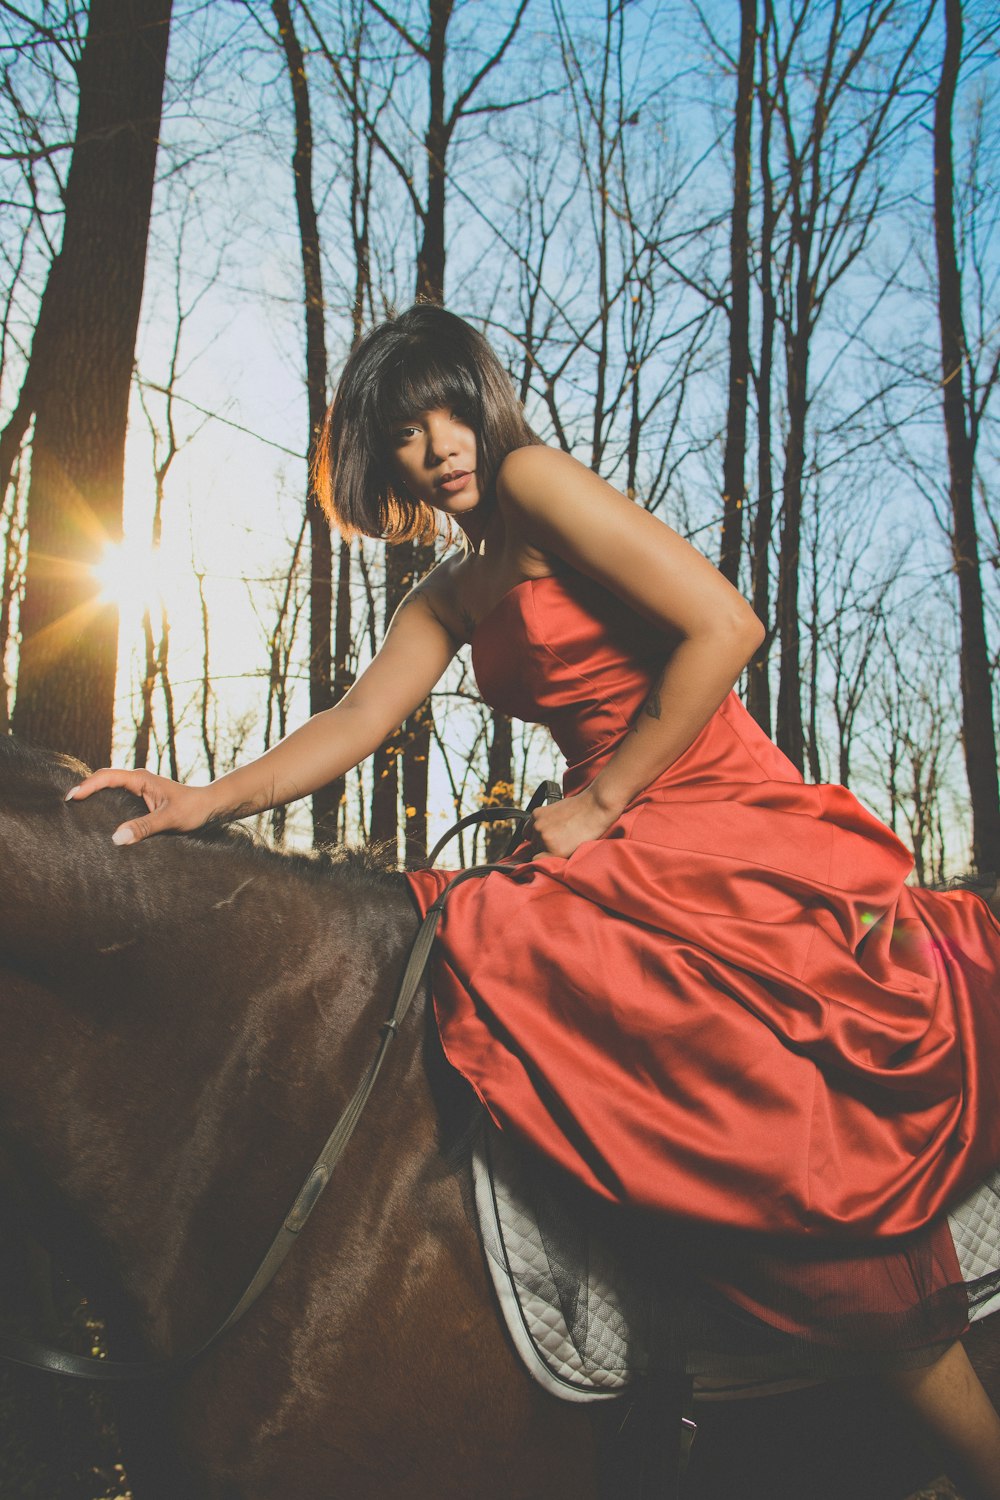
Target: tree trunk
{"x": 163, "y": 673}
{"x": 43, "y": 341}
{"x": 9, "y": 596}
{"x": 431, "y": 255}
{"x": 419, "y": 557}
{"x": 812, "y": 738}
{"x": 789, "y": 719}
{"x": 205, "y": 686}
{"x": 499, "y": 788}
{"x": 326, "y": 801}
{"x": 758, "y": 677}
{"x": 406, "y": 563}
{"x": 978, "y": 731}
{"x": 361, "y": 182}
{"x": 341, "y": 656}
{"x": 385, "y": 780}
{"x": 66, "y": 678}
{"x": 144, "y": 728}
{"x": 734, "y": 461}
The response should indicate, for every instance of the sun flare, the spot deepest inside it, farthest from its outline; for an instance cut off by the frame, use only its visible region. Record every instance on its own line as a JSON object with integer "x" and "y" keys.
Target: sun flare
{"x": 130, "y": 577}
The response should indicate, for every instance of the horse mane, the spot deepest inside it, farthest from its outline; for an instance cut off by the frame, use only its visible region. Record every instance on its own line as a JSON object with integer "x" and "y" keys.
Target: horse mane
{"x": 32, "y": 779}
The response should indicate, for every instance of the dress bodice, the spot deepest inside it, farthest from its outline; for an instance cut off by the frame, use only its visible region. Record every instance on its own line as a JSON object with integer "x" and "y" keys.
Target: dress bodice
{"x": 560, "y": 650}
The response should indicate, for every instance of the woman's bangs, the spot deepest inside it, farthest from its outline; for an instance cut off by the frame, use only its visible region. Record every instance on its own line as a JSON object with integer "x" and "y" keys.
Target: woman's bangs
{"x": 426, "y": 383}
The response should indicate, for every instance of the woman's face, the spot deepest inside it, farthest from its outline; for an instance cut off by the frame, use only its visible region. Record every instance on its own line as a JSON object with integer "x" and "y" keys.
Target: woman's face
{"x": 434, "y": 455}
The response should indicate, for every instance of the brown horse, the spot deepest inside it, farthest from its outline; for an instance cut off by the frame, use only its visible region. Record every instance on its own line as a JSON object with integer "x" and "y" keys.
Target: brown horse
{"x": 182, "y": 1024}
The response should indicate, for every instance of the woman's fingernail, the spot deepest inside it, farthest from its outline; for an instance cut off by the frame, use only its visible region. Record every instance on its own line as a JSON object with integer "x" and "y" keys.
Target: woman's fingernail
{"x": 71, "y": 794}
{"x": 123, "y": 836}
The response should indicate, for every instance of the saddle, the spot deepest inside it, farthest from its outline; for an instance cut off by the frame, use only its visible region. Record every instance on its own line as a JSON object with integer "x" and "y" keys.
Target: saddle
{"x": 592, "y": 1312}
{"x": 572, "y": 1311}
{"x": 591, "y": 1304}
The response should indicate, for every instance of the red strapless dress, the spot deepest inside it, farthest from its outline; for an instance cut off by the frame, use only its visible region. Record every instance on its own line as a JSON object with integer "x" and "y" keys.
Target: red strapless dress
{"x": 731, "y": 1008}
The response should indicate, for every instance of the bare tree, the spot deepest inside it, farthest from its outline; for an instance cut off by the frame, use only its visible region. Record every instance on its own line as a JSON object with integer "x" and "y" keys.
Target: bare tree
{"x": 326, "y": 801}
{"x": 851, "y": 602}
{"x": 831, "y": 198}
{"x": 498, "y": 789}
{"x": 11, "y": 585}
{"x": 206, "y": 722}
{"x": 280, "y": 633}
{"x": 734, "y": 462}
{"x": 762, "y": 527}
{"x": 167, "y": 443}
{"x": 360, "y": 204}
{"x": 914, "y": 741}
{"x": 36, "y": 134}
{"x": 79, "y": 395}
{"x": 965, "y": 392}
{"x": 612, "y": 350}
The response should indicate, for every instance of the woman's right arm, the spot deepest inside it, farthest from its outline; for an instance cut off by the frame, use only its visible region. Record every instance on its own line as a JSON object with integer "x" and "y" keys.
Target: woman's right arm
{"x": 416, "y": 650}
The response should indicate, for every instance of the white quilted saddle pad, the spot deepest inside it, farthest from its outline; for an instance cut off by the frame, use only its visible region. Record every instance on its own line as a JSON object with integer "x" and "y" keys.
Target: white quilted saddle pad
{"x": 578, "y": 1309}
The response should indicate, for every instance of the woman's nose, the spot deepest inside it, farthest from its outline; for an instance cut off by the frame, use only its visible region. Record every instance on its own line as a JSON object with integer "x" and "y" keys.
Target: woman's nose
{"x": 440, "y": 440}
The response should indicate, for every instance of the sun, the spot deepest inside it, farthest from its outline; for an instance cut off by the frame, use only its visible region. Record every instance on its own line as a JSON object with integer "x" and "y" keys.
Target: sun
{"x": 130, "y": 577}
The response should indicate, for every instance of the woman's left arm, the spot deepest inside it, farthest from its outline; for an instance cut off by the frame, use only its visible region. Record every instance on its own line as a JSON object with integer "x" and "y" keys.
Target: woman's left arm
{"x": 557, "y": 504}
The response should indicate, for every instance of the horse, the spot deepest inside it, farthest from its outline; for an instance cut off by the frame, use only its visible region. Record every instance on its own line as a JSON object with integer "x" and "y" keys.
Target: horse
{"x": 182, "y": 1023}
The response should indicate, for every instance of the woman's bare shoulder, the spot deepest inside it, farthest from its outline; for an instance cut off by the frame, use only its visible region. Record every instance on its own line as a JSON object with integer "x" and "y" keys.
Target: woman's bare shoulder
{"x": 551, "y": 500}
{"x": 522, "y": 470}
{"x": 554, "y": 502}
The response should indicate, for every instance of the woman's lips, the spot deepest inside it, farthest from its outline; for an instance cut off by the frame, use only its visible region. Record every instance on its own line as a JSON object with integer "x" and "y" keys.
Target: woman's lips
{"x": 456, "y": 482}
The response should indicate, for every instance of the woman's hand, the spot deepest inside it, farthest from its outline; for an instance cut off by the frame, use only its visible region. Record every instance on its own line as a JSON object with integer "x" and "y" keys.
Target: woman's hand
{"x": 172, "y": 807}
{"x": 562, "y": 827}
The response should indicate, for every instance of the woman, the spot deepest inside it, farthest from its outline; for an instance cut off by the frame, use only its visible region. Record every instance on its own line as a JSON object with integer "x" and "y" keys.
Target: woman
{"x": 708, "y": 991}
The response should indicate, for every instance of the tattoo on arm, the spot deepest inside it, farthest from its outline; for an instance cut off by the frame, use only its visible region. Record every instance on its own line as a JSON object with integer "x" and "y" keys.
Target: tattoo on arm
{"x": 447, "y": 617}
{"x": 413, "y": 596}
{"x": 417, "y": 595}
{"x": 219, "y": 820}
{"x": 250, "y": 809}
{"x": 651, "y": 708}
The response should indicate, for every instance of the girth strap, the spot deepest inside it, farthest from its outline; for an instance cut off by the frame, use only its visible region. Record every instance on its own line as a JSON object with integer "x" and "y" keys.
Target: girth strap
{"x": 38, "y": 1356}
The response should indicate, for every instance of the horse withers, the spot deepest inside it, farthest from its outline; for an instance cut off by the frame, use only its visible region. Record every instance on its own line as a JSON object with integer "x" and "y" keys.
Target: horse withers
{"x": 182, "y": 1022}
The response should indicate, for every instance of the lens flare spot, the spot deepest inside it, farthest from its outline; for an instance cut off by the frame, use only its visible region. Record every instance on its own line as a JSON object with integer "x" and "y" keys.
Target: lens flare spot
{"x": 128, "y": 574}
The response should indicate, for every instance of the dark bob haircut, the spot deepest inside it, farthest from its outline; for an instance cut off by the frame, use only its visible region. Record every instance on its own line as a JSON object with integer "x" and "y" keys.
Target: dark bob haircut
{"x": 421, "y": 360}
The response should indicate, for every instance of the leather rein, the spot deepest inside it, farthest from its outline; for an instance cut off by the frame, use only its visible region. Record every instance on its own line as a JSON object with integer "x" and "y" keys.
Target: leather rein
{"x": 18, "y": 1350}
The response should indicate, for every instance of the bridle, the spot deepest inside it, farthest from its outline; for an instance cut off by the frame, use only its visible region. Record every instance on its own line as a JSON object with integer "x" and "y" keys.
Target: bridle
{"x": 21, "y": 1350}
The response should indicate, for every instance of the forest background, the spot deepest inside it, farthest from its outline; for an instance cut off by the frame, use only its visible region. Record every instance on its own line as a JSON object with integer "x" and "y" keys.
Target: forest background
{"x": 741, "y": 258}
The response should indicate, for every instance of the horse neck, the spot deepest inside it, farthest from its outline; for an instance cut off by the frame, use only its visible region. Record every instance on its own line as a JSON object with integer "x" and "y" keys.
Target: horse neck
{"x": 176, "y": 1089}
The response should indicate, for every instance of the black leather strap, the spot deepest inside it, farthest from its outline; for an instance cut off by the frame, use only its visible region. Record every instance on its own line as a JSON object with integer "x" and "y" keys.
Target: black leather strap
{"x": 548, "y": 791}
